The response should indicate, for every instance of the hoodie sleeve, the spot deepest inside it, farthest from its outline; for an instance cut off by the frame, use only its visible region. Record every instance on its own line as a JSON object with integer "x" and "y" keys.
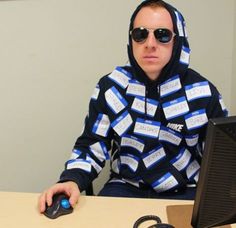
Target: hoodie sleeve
{"x": 91, "y": 149}
{"x": 216, "y": 107}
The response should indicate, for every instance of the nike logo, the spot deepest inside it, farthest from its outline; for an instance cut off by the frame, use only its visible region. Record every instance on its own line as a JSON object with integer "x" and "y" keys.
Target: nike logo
{"x": 176, "y": 127}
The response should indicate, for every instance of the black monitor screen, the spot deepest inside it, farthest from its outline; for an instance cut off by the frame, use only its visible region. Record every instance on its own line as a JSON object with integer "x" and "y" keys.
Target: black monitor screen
{"x": 215, "y": 202}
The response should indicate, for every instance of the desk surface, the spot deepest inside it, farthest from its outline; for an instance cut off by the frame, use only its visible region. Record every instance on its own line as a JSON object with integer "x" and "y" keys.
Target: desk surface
{"x": 20, "y": 210}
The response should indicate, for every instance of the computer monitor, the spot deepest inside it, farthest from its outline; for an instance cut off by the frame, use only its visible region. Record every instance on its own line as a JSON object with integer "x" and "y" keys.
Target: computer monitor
{"x": 215, "y": 201}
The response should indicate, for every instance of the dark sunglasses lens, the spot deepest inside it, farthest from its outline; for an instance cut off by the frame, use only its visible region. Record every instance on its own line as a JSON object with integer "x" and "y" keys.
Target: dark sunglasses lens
{"x": 163, "y": 35}
{"x": 139, "y": 34}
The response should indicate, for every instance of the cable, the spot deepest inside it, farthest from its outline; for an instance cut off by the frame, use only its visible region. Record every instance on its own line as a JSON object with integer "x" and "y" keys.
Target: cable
{"x": 146, "y": 218}
{"x": 158, "y": 223}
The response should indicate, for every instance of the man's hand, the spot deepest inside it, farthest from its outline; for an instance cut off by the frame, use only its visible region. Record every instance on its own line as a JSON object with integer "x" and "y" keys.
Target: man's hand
{"x": 70, "y": 188}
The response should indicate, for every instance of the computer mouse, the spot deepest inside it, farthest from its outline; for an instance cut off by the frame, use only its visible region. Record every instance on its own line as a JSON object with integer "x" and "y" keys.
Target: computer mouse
{"x": 60, "y": 206}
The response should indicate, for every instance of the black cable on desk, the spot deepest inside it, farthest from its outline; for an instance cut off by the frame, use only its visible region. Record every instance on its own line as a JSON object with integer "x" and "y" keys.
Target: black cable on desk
{"x": 151, "y": 217}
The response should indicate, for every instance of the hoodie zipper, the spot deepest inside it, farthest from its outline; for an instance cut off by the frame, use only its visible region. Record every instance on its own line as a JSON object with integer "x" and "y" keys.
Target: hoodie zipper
{"x": 148, "y": 88}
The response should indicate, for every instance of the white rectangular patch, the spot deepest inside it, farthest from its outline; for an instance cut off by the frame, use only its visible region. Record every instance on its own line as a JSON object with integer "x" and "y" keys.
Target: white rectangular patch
{"x": 185, "y": 56}
{"x": 99, "y": 150}
{"x": 196, "y": 119}
{"x": 122, "y": 123}
{"x": 121, "y": 77}
{"x": 179, "y": 24}
{"x": 196, "y": 177}
{"x": 192, "y": 140}
{"x": 198, "y": 90}
{"x": 129, "y": 160}
{"x": 181, "y": 161}
{"x": 132, "y": 142}
{"x": 134, "y": 183}
{"x": 170, "y": 136}
{"x": 165, "y": 183}
{"x": 222, "y": 103}
{"x": 135, "y": 88}
{"x": 95, "y": 93}
{"x": 75, "y": 154}
{"x": 97, "y": 167}
{"x": 115, "y": 100}
{"x": 102, "y": 125}
{"x": 79, "y": 164}
{"x": 153, "y": 157}
{"x": 192, "y": 169}
{"x": 139, "y": 106}
{"x": 115, "y": 180}
{"x": 175, "y": 108}
{"x": 170, "y": 86}
{"x": 147, "y": 128}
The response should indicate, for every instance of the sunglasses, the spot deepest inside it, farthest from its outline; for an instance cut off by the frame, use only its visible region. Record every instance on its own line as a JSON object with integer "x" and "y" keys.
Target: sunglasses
{"x": 163, "y": 35}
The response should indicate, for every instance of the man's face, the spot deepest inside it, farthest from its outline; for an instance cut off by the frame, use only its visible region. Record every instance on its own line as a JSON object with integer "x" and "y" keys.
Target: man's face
{"x": 151, "y": 54}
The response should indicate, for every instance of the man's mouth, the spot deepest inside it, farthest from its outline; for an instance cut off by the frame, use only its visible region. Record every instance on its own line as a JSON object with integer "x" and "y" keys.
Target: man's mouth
{"x": 150, "y": 57}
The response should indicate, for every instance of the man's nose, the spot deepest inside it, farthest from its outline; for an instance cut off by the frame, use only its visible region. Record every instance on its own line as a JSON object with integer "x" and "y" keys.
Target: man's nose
{"x": 151, "y": 40}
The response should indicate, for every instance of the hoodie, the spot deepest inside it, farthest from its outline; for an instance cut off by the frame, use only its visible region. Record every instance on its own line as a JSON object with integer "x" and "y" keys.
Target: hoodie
{"x": 152, "y": 132}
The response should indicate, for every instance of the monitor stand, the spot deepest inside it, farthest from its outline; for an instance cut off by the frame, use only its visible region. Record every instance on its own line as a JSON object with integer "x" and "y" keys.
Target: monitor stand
{"x": 180, "y": 216}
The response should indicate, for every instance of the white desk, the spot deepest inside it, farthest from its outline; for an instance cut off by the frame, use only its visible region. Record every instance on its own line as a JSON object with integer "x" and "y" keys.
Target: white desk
{"x": 19, "y": 210}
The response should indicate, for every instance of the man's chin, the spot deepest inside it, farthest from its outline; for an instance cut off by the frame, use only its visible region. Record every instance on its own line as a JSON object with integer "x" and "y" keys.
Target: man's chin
{"x": 152, "y": 75}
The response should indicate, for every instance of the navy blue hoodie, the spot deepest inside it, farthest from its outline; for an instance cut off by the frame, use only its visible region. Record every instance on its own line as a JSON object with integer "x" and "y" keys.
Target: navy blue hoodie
{"x": 152, "y": 131}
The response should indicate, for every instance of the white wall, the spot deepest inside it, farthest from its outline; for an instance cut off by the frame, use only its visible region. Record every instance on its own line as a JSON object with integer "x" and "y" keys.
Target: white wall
{"x": 233, "y": 85}
{"x": 52, "y": 53}
{"x": 211, "y": 33}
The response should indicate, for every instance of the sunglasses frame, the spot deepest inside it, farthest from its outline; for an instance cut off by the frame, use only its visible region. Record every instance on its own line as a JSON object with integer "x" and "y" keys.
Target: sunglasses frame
{"x": 148, "y": 30}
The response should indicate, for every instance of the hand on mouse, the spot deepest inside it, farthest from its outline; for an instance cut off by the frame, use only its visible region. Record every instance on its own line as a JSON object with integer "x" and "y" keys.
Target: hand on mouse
{"x": 60, "y": 206}
{"x": 70, "y": 188}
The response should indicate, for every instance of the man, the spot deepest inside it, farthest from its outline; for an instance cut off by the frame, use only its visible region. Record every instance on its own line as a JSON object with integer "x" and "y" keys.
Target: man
{"x": 151, "y": 114}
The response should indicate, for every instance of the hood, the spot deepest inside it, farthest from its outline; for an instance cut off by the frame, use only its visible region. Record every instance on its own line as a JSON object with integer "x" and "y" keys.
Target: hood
{"x": 179, "y": 61}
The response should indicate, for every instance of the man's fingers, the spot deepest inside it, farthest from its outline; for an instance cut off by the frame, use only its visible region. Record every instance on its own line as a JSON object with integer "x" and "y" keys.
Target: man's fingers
{"x": 69, "y": 188}
{"x": 41, "y": 202}
{"x": 74, "y": 198}
{"x": 49, "y": 196}
{"x": 45, "y": 199}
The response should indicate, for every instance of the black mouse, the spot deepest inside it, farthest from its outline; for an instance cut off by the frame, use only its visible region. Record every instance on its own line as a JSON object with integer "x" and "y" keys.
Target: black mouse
{"x": 60, "y": 206}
